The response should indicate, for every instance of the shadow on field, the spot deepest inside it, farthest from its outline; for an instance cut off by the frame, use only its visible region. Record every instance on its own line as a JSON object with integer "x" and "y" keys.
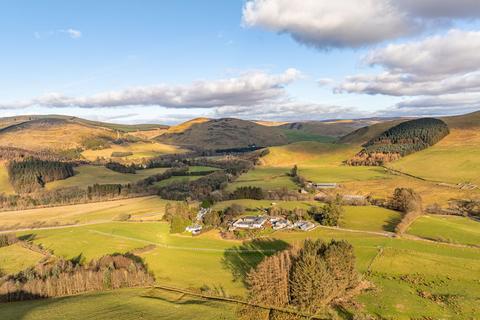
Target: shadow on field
{"x": 182, "y": 300}
{"x": 28, "y": 237}
{"x": 391, "y": 223}
{"x": 240, "y": 259}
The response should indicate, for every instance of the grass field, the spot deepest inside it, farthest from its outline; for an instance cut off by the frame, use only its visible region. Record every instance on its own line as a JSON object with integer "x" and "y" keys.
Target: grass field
{"x": 15, "y": 258}
{"x": 88, "y": 175}
{"x": 139, "y": 149}
{"x": 268, "y": 178}
{"x": 369, "y": 218}
{"x": 447, "y": 229}
{"x": 399, "y": 268}
{"x": 5, "y": 186}
{"x": 455, "y": 159}
{"x": 124, "y": 304}
{"x": 139, "y": 208}
{"x": 171, "y": 180}
{"x": 250, "y": 204}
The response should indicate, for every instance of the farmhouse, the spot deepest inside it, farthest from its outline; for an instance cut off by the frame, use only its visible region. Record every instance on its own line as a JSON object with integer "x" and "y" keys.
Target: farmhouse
{"x": 250, "y": 222}
{"x": 194, "y": 229}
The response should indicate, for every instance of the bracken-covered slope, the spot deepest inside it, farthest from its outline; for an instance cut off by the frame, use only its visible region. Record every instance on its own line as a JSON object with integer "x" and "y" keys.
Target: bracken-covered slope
{"x": 224, "y": 134}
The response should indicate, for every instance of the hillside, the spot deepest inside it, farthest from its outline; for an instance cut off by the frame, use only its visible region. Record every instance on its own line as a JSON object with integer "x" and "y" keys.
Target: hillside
{"x": 51, "y": 133}
{"x": 223, "y": 134}
{"x": 401, "y": 140}
{"x": 334, "y": 128}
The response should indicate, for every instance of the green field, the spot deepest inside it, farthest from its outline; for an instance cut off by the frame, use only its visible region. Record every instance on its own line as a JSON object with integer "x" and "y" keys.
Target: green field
{"x": 140, "y": 150}
{"x": 15, "y": 258}
{"x": 399, "y": 268}
{"x": 369, "y": 218}
{"x": 447, "y": 229}
{"x": 267, "y": 178}
{"x": 88, "y": 175}
{"x": 201, "y": 168}
{"x": 455, "y": 159}
{"x": 250, "y": 204}
{"x": 124, "y": 304}
{"x": 5, "y": 186}
{"x": 144, "y": 208}
{"x": 183, "y": 179}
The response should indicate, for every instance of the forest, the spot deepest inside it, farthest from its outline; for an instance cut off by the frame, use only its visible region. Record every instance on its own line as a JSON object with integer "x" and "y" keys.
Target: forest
{"x": 32, "y": 174}
{"x": 401, "y": 140}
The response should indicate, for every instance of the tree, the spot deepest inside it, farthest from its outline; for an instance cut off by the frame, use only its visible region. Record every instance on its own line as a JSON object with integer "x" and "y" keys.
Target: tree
{"x": 294, "y": 171}
{"x": 406, "y": 200}
{"x": 330, "y": 214}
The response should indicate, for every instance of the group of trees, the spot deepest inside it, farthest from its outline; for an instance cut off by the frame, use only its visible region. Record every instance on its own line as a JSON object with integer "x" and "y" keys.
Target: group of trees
{"x": 67, "y": 277}
{"x": 118, "y": 167}
{"x": 307, "y": 278}
{"x": 409, "y": 202}
{"x": 329, "y": 214}
{"x": 32, "y": 174}
{"x": 179, "y": 215}
{"x": 403, "y": 139}
{"x": 199, "y": 189}
{"x": 248, "y": 193}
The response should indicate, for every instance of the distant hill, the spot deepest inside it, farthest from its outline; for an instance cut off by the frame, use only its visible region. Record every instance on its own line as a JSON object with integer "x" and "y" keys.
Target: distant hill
{"x": 223, "y": 134}
{"x": 364, "y": 134}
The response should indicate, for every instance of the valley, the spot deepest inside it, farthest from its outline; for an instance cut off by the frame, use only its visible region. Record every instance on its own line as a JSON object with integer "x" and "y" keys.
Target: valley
{"x": 159, "y": 184}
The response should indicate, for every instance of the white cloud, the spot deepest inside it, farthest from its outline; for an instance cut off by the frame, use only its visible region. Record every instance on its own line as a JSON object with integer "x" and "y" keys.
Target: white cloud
{"x": 72, "y": 33}
{"x": 288, "y": 110}
{"x": 247, "y": 90}
{"x": 437, "y": 75}
{"x": 353, "y": 23}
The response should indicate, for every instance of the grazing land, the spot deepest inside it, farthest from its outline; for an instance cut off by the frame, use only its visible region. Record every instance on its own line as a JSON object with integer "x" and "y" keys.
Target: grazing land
{"x": 15, "y": 258}
{"x": 139, "y": 150}
{"x": 450, "y": 229}
{"x": 138, "y": 208}
{"x": 399, "y": 268}
{"x": 123, "y": 304}
{"x": 456, "y": 159}
{"x": 88, "y": 175}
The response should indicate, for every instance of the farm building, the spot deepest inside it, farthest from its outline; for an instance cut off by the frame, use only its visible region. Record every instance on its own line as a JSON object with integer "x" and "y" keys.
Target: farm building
{"x": 280, "y": 223}
{"x": 194, "y": 229}
{"x": 321, "y": 185}
{"x": 250, "y": 222}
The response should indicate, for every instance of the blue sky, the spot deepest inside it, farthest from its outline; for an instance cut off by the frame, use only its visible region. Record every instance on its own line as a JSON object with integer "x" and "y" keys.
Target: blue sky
{"x": 81, "y": 49}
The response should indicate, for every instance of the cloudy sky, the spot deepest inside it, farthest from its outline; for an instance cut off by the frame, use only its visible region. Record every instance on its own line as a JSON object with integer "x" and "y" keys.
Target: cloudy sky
{"x": 169, "y": 61}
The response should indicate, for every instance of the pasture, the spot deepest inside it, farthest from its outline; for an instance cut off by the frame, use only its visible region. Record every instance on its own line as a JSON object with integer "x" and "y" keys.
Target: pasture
{"x": 88, "y": 175}
{"x": 123, "y": 304}
{"x": 451, "y": 229}
{"x": 398, "y": 268}
{"x": 267, "y": 178}
{"x": 369, "y": 218}
{"x": 455, "y": 159}
{"x": 139, "y": 208}
{"x": 15, "y": 258}
{"x": 140, "y": 150}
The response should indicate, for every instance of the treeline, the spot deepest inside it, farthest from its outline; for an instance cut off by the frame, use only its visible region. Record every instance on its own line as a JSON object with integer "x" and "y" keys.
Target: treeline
{"x": 118, "y": 167}
{"x": 401, "y": 140}
{"x": 32, "y": 174}
{"x": 67, "y": 277}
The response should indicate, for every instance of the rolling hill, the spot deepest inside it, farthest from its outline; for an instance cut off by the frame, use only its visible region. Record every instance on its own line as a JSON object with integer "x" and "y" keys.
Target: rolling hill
{"x": 223, "y": 134}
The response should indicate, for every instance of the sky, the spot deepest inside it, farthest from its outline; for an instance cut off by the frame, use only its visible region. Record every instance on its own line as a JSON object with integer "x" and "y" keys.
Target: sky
{"x": 281, "y": 60}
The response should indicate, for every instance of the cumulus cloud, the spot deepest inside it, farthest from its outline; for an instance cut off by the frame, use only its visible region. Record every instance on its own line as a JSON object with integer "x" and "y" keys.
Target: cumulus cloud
{"x": 440, "y": 71}
{"x": 247, "y": 90}
{"x": 353, "y": 23}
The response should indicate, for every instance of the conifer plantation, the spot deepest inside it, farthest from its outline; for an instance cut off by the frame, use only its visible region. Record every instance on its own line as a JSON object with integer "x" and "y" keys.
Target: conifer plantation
{"x": 32, "y": 174}
{"x": 401, "y": 140}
